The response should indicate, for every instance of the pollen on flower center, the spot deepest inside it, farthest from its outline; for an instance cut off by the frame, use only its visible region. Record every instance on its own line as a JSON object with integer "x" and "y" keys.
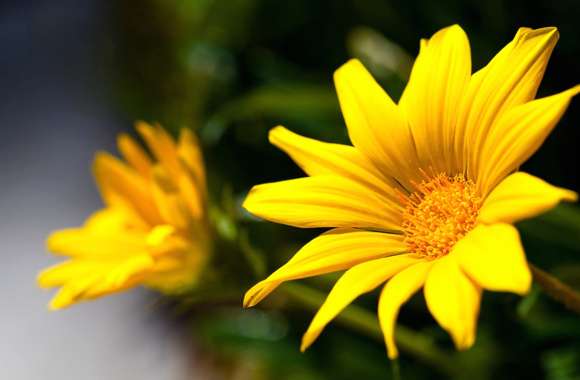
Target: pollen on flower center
{"x": 439, "y": 213}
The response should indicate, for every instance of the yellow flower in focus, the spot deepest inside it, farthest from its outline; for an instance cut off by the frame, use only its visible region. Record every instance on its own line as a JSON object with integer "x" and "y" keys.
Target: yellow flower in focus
{"x": 152, "y": 231}
{"x": 427, "y": 196}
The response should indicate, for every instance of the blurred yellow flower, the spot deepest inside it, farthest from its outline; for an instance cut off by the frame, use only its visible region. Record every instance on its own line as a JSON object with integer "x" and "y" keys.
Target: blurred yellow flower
{"x": 152, "y": 231}
{"x": 427, "y": 196}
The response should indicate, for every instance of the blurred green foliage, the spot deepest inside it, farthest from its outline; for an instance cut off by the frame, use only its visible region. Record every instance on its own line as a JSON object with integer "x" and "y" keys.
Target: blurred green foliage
{"x": 232, "y": 69}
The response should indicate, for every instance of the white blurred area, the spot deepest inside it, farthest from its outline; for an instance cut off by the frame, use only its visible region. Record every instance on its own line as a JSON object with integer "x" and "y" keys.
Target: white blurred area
{"x": 54, "y": 114}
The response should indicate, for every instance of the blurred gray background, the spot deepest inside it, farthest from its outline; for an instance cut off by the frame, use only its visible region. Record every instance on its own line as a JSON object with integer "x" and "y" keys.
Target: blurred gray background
{"x": 54, "y": 114}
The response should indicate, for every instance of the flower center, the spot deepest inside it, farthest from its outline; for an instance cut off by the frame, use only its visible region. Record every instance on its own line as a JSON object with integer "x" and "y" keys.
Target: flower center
{"x": 439, "y": 213}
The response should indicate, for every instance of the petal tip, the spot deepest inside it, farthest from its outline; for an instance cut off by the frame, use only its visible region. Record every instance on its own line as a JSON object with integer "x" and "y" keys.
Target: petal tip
{"x": 392, "y": 353}
{"x": 247, "y": 301}
{"x": 248, "y": 204}
{"x": 570, "y": 196}
{"x": 525, "y": 284}
{"x": 144, "y": 129}
{"x": 123, "y": 138}
{"x": 51, "y": 242}
{"x": 463, "y": 340}
{"x": 252, "y": 296}
{"x": 307, "y": 341}
{"x": 311, "y": 334}
{"x": 550, "y": 32}
{"x": 60, "y": 302}
{"x": 277, "y": 133}
{"x": 351, "y": 64}
{"x": 141, "y": 125}
{"x": 55, "y": 241}
{"x": 456, "y": 28}
{"x": 41, "y": 280}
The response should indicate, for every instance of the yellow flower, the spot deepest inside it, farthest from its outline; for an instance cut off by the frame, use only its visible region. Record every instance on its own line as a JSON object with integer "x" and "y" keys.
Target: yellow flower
{"x": 152, "y": 231}
{"x": 427, "y": 196}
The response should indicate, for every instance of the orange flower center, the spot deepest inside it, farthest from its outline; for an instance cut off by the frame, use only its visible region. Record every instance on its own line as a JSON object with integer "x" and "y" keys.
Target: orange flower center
{"x": 439, "y": 213}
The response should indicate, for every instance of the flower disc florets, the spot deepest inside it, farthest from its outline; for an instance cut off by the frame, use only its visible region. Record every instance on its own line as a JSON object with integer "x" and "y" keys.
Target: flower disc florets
{"x": 439, "y": 213}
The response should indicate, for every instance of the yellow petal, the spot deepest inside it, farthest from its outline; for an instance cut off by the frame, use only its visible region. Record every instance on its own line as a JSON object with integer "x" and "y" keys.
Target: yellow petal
{"x": 431, "y": 99}
{"x": 122, "y": 186}
{"x": 494, "y": 258}
{"x": 192, "y": 196}
{"x": 162, "y": 146}
{"x": 87, "y": 279}
{"x": 398, "y": 291}
{"x": 175, "y": 273}
{"x": 518, "y": 134}
{"x": 134, "y": 155}
{"x": 375, "y": 124}
{"x": 81, "y": 242}
{"x": 511, "y": 78}
{"x": 320, "y": 158}
{"x": 188, "y": 149}
{"x": 358, "y": 280}
{"x": 521, "y": 196}
{"x": 453, "y": 300}
{"x": 106, "y": 233}
{"x": 68, "y": 294}
{"x": 123, "y": 275}
{"x": 58, "y": 275}
{"x": 332, "y": 251}
{"x": 172, "y": 209}
{"x": 323, "y": 201}
{"x": 107, "y": 221}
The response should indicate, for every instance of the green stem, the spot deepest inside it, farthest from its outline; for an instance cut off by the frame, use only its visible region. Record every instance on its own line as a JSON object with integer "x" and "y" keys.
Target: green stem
{"x": 556, "y": 289}
{"x": 365, "y": 322}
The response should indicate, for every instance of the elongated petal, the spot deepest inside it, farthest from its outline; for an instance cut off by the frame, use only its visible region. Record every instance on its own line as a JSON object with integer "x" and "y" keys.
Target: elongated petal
{"x": 105, "y": 235}
{"x": 395, "y": 293}
{"x": 521, "y": 196}
{"x": 189, "y": 151}
{"x": 60, "y": 274}
{"x": 192, "y": 196}
{"x": 83, "y": 243}
{"x": 87, "y": 279}
{"x": 104, "y": 273}
{"x": 431, "y": 99}
{"x": 358, "y": 280}
{"x": 453, "y": 300}
{"x": 511, "y": 78}
{"x": 69, "y": 293}
{"x": 320, "y": 158}
{"x": 172, "y": 209}
{"x": 375, "y": 124}
{"x": 134, "y": 155}
{"x": 122, "y": 186}
{"x": 332, "y": 251}
{"x": 108, "y": 220}
{"x": 162, "y": 146}
{"x": 323, "y": 201}
{"x": 518, "y": 134}
{"x": 494, "y": 258}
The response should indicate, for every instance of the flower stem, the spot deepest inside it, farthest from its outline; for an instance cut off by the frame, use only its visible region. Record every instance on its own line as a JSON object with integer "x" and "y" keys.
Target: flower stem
{"x": 361, "y": 320}
{"x": 556, "y": 289}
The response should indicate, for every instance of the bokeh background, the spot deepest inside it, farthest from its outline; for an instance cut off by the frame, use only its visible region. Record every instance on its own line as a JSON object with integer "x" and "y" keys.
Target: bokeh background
{"x": 73, "y": 74}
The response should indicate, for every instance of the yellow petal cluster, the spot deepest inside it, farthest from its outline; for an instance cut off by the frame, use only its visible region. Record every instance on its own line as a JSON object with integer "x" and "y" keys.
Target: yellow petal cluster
{"x": 427, "y": 194}
{"x": 152, "y": 230}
